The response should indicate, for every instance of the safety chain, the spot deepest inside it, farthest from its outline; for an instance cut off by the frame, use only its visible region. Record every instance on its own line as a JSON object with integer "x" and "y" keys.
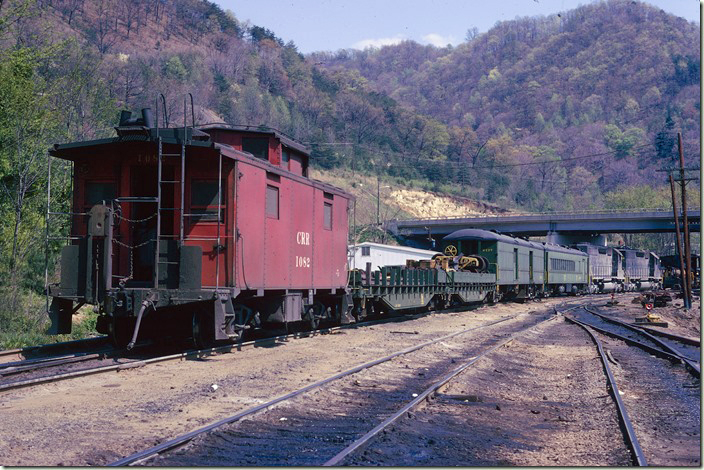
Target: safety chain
{"x": 131, "y": 247}
{"x": 134, "y": 221}
{"x": 124, "y": 280}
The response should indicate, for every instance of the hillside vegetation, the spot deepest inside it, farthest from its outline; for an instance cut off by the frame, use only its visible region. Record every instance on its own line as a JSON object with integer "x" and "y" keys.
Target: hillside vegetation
{"x": 574, "y": 111}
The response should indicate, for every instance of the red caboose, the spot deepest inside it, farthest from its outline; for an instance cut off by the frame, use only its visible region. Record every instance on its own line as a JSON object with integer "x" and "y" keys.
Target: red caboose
{"x": 210, "y": 230}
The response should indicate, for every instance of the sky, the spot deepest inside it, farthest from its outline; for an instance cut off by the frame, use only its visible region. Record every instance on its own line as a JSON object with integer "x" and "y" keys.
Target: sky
{"x": 329, "y": 25}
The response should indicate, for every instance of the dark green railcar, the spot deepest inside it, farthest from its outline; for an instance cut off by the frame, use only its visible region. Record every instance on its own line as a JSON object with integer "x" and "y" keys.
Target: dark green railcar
{"x": 567, "y": 270}
{"x": 397, "y": 288}
{"x": 517, "y": 264}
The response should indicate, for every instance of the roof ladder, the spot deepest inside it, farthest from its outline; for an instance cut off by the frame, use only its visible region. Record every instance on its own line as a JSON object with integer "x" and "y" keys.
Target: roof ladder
{"x": 160, "y": 182}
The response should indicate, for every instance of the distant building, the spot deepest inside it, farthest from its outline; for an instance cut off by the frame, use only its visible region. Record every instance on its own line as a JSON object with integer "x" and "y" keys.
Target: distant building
{"x": 383, "y": 255}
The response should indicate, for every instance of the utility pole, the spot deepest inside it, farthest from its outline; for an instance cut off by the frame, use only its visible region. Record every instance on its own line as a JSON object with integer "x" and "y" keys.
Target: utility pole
{"x": 378, "y": 197}
{"x": 687, "y": 249}
{"x": 679, "y": 240}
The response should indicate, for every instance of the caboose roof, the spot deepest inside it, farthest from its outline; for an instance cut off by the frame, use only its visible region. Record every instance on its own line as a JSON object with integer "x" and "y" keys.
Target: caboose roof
{"x": 73, "y": 150}
{"x": 65, "y": 150}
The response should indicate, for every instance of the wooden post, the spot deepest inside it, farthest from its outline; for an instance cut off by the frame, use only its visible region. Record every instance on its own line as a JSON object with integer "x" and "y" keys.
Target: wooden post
{"x": 685, "y": 221}
{"x": 685, "y": 294}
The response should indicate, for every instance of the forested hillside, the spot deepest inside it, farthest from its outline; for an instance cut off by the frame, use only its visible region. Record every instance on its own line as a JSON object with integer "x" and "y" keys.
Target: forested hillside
{"x": 612, "y": 80}
{"x": 573, "y": 111}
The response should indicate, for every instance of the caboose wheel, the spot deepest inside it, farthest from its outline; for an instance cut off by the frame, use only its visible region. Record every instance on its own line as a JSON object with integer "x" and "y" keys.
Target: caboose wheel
{"x": 312, "y": 318}
{"x": 120, "y": 331}
{"x": 203, "y": 329}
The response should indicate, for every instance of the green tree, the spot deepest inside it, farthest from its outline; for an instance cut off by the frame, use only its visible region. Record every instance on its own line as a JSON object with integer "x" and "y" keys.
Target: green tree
{"x": 26, "y": 123}
{"x": 623, "y": 142}
{"x": 665, "y": 140}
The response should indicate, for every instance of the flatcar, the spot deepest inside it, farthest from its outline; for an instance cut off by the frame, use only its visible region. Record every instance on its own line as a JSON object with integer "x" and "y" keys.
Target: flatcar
{"x": 205, "y": 231}
{"x": 523, "y": 269}
{"x": 606, "y": 270}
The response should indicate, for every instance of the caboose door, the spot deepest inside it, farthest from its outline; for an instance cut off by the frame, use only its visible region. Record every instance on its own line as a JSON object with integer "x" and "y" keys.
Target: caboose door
{"x": 142, "y": 219}
{"x": 208, "y": 221}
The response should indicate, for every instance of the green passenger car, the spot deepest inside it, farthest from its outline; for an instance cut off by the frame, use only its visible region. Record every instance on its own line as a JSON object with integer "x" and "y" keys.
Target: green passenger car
{"x": 567, "y": 270}
{"x": 523, "y": 269}
{"x": 517, "y": 264}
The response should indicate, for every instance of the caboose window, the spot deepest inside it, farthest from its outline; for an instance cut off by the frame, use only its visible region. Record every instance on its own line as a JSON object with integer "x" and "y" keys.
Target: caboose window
{"x": 257, "y": 146}
{"x": 272, "y": 202}
{"x": 97, "y": 191}
{"x": 204, "y": 193}
{"x": 327, "y": 216}
{"x": 204, "y": 201}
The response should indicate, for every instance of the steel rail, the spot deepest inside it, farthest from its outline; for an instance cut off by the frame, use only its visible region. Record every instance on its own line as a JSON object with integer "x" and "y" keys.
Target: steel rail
{"x": 8, "y": 352}
{"x": 183, "y": 355}
{"x": 145, "y": 454}
{"x": 207, "y": 351}
{"x": 624, "y": 420}
{"x": 422, "y": 396}
{"x": 646, "y": 347}
{"x": 668, "y": 335}
{"x": 24, "y": 366}
{"x": 691, "y": 365}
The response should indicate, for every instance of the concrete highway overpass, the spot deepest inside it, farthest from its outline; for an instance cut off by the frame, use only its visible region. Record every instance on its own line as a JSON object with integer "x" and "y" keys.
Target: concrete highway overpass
{"x": 559, "y": 227}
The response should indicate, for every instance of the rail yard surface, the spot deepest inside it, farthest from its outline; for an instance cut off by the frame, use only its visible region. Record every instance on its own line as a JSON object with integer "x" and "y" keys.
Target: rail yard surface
{"x": 540, "y": 399}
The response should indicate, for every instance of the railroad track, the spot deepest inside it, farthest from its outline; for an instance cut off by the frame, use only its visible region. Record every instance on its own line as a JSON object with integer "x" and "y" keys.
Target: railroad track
{"x": 659, "y": 407}
{"x": 624, "y": 419}
{"x": 346, "y": 410}
{"x": 49, "y": 369}
{"x": 48, "y": 349}
{"x": 685, "y": 351}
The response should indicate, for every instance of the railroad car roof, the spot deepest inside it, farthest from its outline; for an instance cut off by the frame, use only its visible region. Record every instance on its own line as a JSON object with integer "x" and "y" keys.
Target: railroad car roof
{"x": 563, "y": 249}
{"x": 408, "y": 249}
{"x": 478, "y": 234}
{"x": 168, "y": 136}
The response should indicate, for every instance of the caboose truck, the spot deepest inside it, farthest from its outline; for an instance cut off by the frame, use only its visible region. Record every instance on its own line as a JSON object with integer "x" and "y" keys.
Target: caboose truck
{"x": 199, "y": 232}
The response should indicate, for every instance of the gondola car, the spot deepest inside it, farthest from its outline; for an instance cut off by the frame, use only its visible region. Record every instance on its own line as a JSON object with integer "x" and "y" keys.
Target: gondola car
{"x": 201, "y": 232}
{"x": 606, "y": 271}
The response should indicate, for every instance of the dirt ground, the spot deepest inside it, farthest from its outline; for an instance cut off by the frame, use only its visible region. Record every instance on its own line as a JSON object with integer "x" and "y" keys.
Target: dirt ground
{"x": 519, "y": 406}
{"x": 543, "y": 401}
{"x": 680, "y": 321}
{"x": 96, "y": 420}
